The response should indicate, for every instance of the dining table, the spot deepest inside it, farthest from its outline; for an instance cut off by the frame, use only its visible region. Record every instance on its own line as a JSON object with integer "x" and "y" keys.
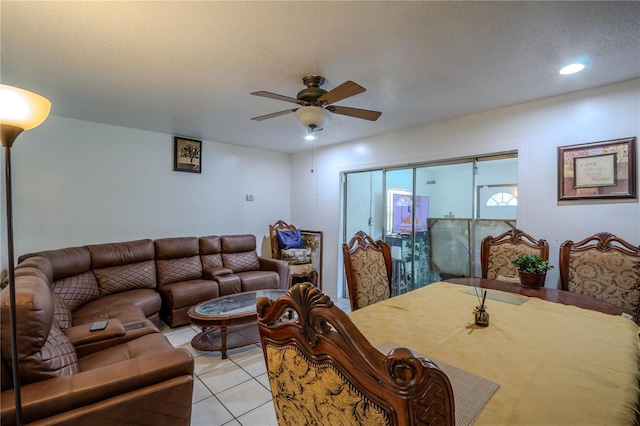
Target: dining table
{"x": 556, "y": 358}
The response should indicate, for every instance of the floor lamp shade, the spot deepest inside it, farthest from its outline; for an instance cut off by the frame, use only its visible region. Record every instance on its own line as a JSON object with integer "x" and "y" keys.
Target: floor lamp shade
{"x": 20, "y": 110}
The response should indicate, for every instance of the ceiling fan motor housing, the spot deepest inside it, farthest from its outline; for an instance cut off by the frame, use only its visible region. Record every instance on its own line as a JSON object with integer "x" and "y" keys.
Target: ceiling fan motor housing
{"x": 313, "y": 91}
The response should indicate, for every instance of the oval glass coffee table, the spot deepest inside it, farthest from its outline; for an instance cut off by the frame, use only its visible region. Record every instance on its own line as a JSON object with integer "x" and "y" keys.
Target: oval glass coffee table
{"x": 229, "y": 321}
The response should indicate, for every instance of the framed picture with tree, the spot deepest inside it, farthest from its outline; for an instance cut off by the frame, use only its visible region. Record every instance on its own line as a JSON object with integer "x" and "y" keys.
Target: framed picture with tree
{"x": 187, "y": 154}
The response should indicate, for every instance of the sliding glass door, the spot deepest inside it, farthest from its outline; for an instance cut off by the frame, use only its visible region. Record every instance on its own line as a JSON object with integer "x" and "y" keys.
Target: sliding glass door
{"x": 434, "y": 216}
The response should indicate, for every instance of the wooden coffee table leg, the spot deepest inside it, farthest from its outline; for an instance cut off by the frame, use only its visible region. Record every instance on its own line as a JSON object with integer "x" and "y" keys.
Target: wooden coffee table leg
{"x": 223, "y": 336}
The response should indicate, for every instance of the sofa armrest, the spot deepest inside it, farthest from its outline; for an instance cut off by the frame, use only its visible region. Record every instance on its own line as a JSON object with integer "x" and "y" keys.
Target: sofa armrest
{"x": 211, "y": 273}
{"x": 87, "y": 342}
{"x": 82, "y": 335}
{"x": 60, "y": 394}
{"x": 279, "y": 266}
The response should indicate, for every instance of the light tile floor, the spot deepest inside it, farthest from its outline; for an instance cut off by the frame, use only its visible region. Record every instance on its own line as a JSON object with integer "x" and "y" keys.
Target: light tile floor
{"x": 233, "y": 391}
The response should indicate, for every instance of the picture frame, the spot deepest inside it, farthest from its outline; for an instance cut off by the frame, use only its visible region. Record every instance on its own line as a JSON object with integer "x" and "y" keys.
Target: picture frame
{"x": 598, "y": 170}
{"x": 313, "y": 239}
{"x": 187, "y": 155}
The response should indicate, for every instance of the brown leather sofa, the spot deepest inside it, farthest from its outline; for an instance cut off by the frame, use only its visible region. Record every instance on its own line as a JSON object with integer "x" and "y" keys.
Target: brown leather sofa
{"x": 128, "y": 372}
{"x": 191, "y": 270}
{"x": 134, "y": 377}
{"x": 145, "y": 280}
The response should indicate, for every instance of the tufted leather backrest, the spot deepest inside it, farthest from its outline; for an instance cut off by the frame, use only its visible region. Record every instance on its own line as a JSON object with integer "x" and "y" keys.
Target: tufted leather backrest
{"x": 123, "y": 266}
{"x": 73, "y": 279}
{"x": 177, "y": 259}
{"x": 239, "y": 252}
{"x": 43, "y": 349}
{"x": 210, "y": 251}
{"x": 65, "y": 262}
{"x": 40, "y": 263}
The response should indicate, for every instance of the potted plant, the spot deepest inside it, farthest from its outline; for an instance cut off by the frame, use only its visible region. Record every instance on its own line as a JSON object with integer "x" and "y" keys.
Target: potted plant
{"x": 532, "y": 269}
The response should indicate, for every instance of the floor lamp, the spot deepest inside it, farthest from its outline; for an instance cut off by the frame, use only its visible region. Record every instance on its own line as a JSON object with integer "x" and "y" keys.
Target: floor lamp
{"x": 20, "y": 110}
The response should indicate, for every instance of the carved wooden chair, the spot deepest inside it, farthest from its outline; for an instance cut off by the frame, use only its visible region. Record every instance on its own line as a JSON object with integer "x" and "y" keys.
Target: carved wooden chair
{"x": 323, "y": 371}
{"x": 299, "y": 260}
{"x": 496, "y": 254}
{"x": 605, "y": 267}
{"x": 368, "y": 268}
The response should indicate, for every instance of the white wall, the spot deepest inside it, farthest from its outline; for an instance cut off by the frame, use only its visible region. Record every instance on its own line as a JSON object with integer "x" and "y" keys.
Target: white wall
{"x": 77, "y": 182}
{"x": 536, "y": 129}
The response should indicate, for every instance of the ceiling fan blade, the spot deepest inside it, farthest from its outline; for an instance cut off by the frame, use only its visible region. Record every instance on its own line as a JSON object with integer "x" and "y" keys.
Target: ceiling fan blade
{"x": 278, "y": 97}
{"x": 365, "y": 114}
{"x": 273, "y": 114}
{"x": 345, "y": 90}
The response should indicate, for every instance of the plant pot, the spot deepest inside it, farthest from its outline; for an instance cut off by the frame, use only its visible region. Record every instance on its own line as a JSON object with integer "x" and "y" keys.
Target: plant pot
{"x": 529, "y": 279}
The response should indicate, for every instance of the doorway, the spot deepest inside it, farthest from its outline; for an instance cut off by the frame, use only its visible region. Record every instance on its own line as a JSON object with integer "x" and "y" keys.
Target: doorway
{"x": 433, "y": 215}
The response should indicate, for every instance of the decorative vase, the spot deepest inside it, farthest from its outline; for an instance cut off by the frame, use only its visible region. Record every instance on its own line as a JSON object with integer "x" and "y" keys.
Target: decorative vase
{"x": 532, "y": 280}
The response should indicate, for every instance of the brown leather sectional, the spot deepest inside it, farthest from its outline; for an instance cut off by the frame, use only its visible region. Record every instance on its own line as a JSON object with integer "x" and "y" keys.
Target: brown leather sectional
{"x": 129, "y": 370}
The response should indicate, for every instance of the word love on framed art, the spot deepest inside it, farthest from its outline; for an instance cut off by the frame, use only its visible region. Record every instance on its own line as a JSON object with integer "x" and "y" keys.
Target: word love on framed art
{"x": 598, "y": 170}
{"x": 186, "y": 155}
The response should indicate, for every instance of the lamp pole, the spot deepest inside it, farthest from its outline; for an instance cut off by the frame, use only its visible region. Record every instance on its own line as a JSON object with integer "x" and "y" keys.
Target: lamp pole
{"x": 19, "y": 110}
{"x": 11, "y": 274}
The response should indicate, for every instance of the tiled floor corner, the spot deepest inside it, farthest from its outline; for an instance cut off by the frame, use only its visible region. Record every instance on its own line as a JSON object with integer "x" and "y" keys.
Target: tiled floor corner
{"x": 233, "y": 391}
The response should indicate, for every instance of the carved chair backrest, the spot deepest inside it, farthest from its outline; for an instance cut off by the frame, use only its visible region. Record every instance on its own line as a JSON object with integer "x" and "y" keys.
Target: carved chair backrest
{"x": 368, "y": 269}
{"x": 273, "y": 237}
{"x": 496, "y": 253}
{"x": 323, "y": 371}
{"x": 605, "y": 267}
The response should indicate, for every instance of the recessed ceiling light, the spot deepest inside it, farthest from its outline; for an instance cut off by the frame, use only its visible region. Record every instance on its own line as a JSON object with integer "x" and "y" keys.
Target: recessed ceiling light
{"x": 310, "y": 137}
{"x": 572, "y": 69}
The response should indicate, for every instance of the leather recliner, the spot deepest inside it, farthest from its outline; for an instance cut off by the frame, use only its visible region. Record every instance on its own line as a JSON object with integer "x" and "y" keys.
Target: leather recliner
{"x": 144, "y": 380}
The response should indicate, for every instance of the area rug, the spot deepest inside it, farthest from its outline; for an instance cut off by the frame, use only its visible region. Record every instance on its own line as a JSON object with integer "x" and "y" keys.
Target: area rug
{"x": 470, "y": 392}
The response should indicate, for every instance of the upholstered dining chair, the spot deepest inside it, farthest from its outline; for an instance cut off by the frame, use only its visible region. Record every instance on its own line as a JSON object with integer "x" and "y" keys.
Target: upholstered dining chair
{"x": 605, "y": 267}
{"x": 323, "y": 371}
{"x": 299, "y": 259}
{"x": 496, "y": 254}
{"x": 368, "y": 268}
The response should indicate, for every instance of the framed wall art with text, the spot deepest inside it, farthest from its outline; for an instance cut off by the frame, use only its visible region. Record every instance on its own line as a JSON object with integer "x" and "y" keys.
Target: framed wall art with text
{"x": 598, "y": 170}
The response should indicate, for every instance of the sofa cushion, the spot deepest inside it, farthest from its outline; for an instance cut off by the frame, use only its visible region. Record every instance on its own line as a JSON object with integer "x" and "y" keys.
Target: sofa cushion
{"x": 238, "y": 243}
{"x": 43, "y": 349}
{"x": 65, "y": 262}
{"x": 173, "y": 248}
{"x": 210, "y": 252}
{"x": 241, "y": 262}
{"x": 116, "y": 254}
{"x": 61, "y": 312}
{"x": 259, "y": 280}
{"x": 116, "y": 279}
{"x": 77, "y": 290}
{"x": 177, "y": 259}
{"x": 175, "y": 270}
{"x": 130, "y": 306}
{"x": 40, "y": 263}
{"x": 126, "y": 314}
{"x": 188, "y": 293}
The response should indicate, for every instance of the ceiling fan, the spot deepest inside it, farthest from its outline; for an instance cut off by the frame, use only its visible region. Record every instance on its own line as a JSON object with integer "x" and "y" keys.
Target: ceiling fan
{"x": 316, "y": 103}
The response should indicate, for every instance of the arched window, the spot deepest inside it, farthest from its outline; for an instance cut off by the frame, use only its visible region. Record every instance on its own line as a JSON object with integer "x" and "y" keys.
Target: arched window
{"x": 502, "y": 199}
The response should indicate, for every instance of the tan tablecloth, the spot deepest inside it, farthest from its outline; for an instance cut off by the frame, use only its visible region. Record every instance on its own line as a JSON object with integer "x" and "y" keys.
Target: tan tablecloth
{"x": 555, "y": 364}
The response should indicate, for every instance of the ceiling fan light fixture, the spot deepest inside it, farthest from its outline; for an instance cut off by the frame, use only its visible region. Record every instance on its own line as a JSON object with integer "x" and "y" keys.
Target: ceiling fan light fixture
{"x": 313, "y": 117}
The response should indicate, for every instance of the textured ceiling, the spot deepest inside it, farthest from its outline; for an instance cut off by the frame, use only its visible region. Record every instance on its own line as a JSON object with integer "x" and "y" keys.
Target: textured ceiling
{"x": 187, "y": 68}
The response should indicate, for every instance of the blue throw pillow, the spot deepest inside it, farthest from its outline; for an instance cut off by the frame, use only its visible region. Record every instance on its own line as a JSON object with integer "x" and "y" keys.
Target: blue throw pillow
{"x": 289, "y": 239}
